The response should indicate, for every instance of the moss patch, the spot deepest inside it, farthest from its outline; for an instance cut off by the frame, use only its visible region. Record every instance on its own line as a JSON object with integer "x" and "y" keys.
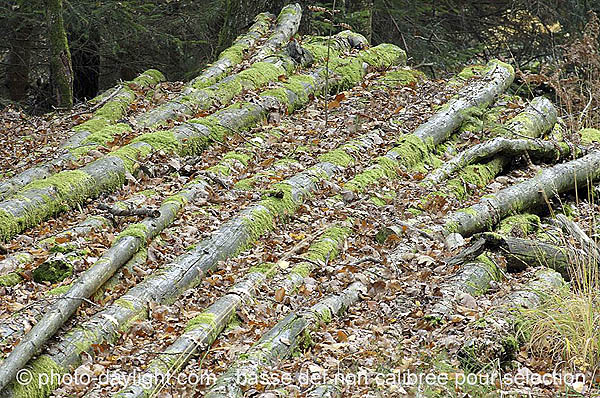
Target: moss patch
{"x": 130, "y": 154}
{"x": 386, "y": 168}
{"x": 53, "y": 271}
{"x": 10, "y": 279}
{"x": 138, "y": 230}
{"x": 268, "y": 269}
{"x": 589, "y": 136}
{"x": 402, "y": 77}
{"x": 337, "y": 157}
{"x": 45, "y": 370}
{"x": 519, "y": 224}
{"x": 59, "y": 290}
{"x": 160, "y": 140}
{"x": 476, "y": 175}
{"x": 205, "y": 318}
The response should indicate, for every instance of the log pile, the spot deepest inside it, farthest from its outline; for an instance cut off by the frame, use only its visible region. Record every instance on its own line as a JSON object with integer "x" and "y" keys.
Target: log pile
{"x": 488, "y": 241}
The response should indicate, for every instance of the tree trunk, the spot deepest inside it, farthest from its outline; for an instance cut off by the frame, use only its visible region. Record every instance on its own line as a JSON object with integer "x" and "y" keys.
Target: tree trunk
{"x": 533, "y": 194}
{"x": 189, "y": 269}
{"x": 482, "y": 93}
{"x": 61, "y": 68}
{"x": 203, "y": 330}
{"x": 521, "y": 253}
{"x": 19, "y": 56}
{"x": 474, "y": 279}
{"x": 540, "y": 114}
{"x": 416, "y": 147}
{"x": 42, "y": 199}
{"x": 281, "y": 341}
{"x": 498, "y": 343}
{"x": 97, "y": 131}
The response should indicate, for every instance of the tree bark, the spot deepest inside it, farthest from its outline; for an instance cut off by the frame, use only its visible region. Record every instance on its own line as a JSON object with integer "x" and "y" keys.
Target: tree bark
{"x": 474, "y": 278}
{"x": 532, "y": 194}
{"x": 481, "y": 93}
{"x": 60, "y": 57}
{"x": 521, "y": 253}
{"x": 416, "y": 147}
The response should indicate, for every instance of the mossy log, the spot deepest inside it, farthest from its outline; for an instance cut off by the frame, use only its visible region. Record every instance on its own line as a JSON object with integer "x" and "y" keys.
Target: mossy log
{"x": 10, "y": 271}
{"x": 571, "y": 229}
{"x": 325, "y": 249}
{"x": 43, "y": 198}
{"x": 474, "y": 278}
{"x": 200, "y": 333}
{"x": 256, "y": 76}
{"x": 535, "y": 120}
{"x": 127, "y": 244}
{"x": 495, "y": 337}
{"x": 481, "y": 93}
{"x": 531, "y": 195}
{"x": 198, "y": 95}
{"x": 231, "y": 57}
{"x": 169, "y": 282}
{"x": 521, "y": 253}
{"x": 97, "y": 131}
{"x": 416, "y": 148}
{"x": 288, "y": 22}
{"x": 188, "y": 270}
{"x": 281, "y": 341}
{"x": 203, "y": 330}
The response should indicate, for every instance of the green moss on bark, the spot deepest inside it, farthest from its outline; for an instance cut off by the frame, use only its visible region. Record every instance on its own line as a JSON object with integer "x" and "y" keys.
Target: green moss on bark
{"x": 476, "y": 175}
{"x": 138, "y": 230}
{"x": 204, "y": 319}
{"x": 160, "y": 140}
{"x": 589, "y": 136}
{"x": 268, "y": 269}
{"x": 337, "y": 157}
{"x": 45, "y": 376}
{"x": 11, "y": 279}
{"x": 519, "y": 224}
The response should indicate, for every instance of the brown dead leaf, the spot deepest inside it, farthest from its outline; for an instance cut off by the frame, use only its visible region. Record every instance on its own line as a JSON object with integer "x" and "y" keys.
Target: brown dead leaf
{"x": 341, "y": 336}
{"x": 279, "y": 294}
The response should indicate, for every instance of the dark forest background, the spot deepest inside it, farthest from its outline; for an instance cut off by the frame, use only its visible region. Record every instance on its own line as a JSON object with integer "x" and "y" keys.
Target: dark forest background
{"x": 550, "y": 41}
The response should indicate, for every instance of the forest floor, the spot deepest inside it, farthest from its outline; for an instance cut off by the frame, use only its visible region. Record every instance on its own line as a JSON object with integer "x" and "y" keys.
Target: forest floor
{"x": 386, "y": 344}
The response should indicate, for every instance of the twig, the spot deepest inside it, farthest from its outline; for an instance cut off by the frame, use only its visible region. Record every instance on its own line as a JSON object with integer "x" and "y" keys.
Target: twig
{"x": 303, "y": 243}
{"x": 365, "y": 260}
{"x": 129, "y": 211}
{"x": 93, "y": 108}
